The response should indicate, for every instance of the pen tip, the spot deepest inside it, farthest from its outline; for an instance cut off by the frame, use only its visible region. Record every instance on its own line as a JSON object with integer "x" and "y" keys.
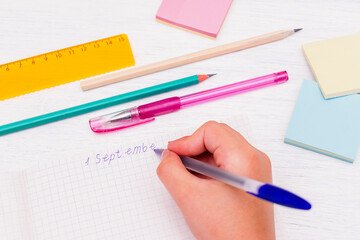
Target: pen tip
{"x": 158, "y": 151}
{"x": 297, "y": 29}
{"x": 210, "y": 75}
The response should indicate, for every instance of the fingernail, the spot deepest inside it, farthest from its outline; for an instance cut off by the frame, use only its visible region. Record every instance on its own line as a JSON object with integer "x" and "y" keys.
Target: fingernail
{"x": 165, "y": 154}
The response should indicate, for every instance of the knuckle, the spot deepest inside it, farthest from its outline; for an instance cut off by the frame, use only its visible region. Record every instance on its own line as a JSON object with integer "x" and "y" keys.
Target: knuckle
{"x": 223, "y": 125}
{"x": 266, "y": 159}
{"x": 259, "y": 158}
{"x": 210, "y": 124}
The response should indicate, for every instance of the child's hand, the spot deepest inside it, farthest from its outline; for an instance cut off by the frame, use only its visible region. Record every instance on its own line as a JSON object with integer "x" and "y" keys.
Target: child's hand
{"x": 212, "y": 209}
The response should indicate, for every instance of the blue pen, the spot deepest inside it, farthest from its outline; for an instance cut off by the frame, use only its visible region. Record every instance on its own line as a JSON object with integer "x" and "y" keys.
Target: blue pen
{"x": 265, "y": 191}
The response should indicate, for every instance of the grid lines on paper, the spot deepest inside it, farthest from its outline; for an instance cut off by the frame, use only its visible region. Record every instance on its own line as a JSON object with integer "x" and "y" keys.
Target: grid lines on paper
{"x": 102, "y": 192}
{"x": 123, "y": 199}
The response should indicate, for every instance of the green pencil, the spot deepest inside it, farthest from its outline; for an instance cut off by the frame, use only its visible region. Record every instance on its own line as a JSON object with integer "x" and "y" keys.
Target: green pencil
{"x": 100, "y": 104}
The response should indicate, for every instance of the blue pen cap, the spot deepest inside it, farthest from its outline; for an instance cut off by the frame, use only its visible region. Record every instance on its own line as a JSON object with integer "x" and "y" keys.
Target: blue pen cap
{"x": 280, "y": 196}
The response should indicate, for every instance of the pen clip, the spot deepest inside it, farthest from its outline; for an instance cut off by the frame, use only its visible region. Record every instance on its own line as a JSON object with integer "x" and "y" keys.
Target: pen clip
{"x": 118, "y": 120}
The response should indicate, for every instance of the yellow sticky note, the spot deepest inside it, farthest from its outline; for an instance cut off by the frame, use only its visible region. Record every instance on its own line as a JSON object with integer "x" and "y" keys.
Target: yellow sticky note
{"x": 65, "y": 65}
{"x": 335, "y": 64}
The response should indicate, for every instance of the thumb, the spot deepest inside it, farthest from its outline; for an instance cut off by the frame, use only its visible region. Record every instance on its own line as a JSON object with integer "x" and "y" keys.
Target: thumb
{"x": 175, "y": 177}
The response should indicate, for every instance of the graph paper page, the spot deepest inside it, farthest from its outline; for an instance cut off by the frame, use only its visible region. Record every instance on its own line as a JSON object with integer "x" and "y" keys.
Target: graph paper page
{"x": 107, "y": 192}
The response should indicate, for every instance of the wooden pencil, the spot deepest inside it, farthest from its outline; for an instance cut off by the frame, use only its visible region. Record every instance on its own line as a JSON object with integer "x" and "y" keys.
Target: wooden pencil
{"x": 114, "y": 77}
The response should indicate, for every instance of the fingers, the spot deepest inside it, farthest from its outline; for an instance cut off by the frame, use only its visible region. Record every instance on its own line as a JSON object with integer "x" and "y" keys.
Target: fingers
{"x": 217, "y": 138}
{"x": 176, "y": 178}
{"x": 230, "y": 150}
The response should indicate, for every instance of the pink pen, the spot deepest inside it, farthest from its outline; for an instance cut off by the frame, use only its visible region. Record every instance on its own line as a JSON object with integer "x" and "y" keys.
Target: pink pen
{"x": 146, "y": 113}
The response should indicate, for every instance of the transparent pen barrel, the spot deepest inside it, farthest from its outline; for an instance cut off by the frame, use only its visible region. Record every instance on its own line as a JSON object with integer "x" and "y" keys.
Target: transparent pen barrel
{"x": 244, "y": 86}
{"x": 221, "y": 175}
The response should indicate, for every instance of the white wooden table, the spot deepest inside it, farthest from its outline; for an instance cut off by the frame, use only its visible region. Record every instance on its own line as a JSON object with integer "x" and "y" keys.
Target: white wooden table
{"x": 29, "y": 28}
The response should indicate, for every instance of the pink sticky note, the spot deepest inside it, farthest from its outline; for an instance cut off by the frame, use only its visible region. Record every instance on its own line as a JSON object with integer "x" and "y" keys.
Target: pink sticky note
{"x": 201, "y": 16}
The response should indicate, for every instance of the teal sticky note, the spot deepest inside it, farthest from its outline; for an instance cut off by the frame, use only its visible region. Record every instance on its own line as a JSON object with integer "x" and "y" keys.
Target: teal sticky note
{"x": 330, "y": 127}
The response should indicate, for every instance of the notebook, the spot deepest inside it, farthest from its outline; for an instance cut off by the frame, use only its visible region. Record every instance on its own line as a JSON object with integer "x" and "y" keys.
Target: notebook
{"x": 335, "y": 64}
{"x": 203, "y": 17}
{"x": 330, "y": 127}
{"x": 99, "y": 192}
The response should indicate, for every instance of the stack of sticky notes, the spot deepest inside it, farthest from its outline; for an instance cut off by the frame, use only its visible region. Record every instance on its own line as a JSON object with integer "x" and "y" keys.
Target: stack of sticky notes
{"x": 203, "y": 17}
{"x": 335, "y": 64}
{"x": 330, "y": 127}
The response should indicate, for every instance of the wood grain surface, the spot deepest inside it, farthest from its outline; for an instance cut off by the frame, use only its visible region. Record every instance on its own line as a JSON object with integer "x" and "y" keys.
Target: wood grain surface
{"x": 30, "y": 28}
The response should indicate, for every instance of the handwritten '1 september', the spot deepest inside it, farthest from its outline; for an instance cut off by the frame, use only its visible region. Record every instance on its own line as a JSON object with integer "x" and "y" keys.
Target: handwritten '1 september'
{"x": 108, "y": 157}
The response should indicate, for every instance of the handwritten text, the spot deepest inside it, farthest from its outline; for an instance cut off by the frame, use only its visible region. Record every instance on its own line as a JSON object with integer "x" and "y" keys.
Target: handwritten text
{"x": 108, "y": 157}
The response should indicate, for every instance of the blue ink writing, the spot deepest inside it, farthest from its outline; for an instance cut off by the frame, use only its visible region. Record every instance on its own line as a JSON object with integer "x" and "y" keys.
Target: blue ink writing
{"x": 108, "y": 157}
{"x": 87, "y": 161}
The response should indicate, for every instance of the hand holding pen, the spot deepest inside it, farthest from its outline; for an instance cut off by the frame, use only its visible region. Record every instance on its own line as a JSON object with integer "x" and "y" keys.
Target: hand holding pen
{"x": 213, "y": 209}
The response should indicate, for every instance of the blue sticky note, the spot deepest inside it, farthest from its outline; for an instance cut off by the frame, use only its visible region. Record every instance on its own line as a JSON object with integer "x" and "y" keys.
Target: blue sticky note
{"x": 330, "y": 127}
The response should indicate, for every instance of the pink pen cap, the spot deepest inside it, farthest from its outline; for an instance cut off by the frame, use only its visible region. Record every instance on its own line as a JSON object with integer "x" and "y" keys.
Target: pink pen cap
{"x": 134, "y": 116}
{"x": 117, "y": 120}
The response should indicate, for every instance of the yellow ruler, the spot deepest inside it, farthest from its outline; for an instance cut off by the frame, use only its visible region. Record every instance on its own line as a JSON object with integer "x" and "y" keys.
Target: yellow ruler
{"x": 65, "y": 65}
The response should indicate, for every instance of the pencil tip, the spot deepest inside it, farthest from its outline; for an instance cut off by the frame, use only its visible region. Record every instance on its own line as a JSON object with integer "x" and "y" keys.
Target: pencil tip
{"x": 297, "y": 29}
{"x": 204, "y": 77}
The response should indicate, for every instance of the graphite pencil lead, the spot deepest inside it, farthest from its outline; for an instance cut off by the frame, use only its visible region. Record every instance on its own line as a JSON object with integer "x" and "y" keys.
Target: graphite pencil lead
{"x": 210, "y": 75}
{"x": 297, "y": 29}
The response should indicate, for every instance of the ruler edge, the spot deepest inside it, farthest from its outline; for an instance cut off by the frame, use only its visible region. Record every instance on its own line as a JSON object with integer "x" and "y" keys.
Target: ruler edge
{"x": 132, "y": 63}
{"x": 66, "y": 48}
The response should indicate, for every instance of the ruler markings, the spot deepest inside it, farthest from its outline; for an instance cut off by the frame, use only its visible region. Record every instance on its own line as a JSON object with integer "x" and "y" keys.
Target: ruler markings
{"x": 64, "y": 66}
